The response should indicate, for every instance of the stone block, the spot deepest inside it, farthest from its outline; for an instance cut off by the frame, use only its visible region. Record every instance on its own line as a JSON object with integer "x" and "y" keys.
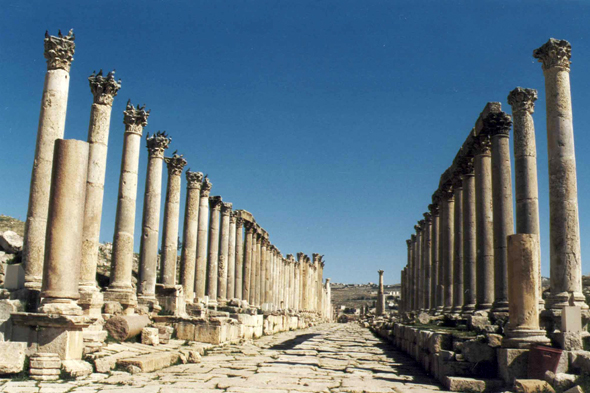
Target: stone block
{"x": 107, "y": 363}
{"x": 571, "y": 319}
{"x": 76, "y": 368}
{"x": 112, "y": 308}
{"x": 532, "y": 386}
{"x": 185, "y": 331}
{"x": 45, "y": 366}
{"x": 439, "y": 341}
{"x": 569, "y": 341}
{"x": 165, "y": 334}
{"x": 67, "y": 344}
{"x": 150, "y": 336}
{"x": 512, "y": 364}
{"x": 462, "y": 384}
{"x": 11, "y": 242}
{"x": 12, "y": 357}
{"x": 477, "y": 352}
{"x": 15, "y": 277}
{"x": 494, "y": 340}
{"x": 561, "y": 381}
{"x": 575, "y": 389}
{"x": 151, "y": 361}
{"x": 190, "y": 356}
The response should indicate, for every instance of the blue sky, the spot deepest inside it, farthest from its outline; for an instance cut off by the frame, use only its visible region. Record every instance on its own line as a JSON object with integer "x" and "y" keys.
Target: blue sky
{"x": 330, "y": 121}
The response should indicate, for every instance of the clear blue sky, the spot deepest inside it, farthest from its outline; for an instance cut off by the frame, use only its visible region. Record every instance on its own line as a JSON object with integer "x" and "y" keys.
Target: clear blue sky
{"x": 330, "y": 121}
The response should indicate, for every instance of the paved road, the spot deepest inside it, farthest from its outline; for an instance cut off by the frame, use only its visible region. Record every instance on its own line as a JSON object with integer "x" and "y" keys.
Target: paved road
{"x": 327, "y": 358}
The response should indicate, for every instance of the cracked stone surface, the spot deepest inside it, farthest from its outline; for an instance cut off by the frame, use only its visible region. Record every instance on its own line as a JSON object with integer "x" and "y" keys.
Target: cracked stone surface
{"x": 325, "y": 358}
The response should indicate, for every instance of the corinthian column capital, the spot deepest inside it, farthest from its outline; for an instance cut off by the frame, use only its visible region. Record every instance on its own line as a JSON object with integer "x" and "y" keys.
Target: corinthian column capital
{"x": 206, "y": 187}
{"x": 409, "y": 243}
{"x": 194, "y": 179}
{"x": 522, "y": 100}
{"x": 104, "y": 89}
{"x": 482, "y": 145}
{"x": 157, "y": 143}
{"x": 175, "y": 164}
{"x": 226, "y": 208}
{"x": 434, "y": 209}
{"x": 135, "y": 118}
{"x": 215, "y": 202}
{"x": 239, "y": 221}
{"x": 554, "y": 53}
{"x": 427, "y": 217}
{"x": 59, "y": 51}
{"x": 498, "y": 124}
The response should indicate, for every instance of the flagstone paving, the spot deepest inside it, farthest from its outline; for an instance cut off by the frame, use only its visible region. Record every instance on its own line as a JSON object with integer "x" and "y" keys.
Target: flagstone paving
{"x": 325, "y": 358}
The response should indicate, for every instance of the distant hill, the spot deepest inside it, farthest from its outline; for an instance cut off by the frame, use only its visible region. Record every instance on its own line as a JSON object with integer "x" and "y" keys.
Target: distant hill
{"x": 12, "y": 224}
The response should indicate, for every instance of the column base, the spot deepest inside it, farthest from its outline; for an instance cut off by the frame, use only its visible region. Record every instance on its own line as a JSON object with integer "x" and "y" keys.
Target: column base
{"x": 500, "y": 306}
{"x": 91, "y": 303}
{"x": 468, "y": 309}
{"x": 60, "y": 307}
{"x": 32, "y": 283}
{"x": 563, "y": 299}
{"x": 448, "y": 309}
{"x": 126, "y": 298}
{"x": 483, "y": 307}
{"x": 457, "y": 310}
{"x": 148, "y": 302}
{"x": 524, "y": 338}
{"x": 439, "y": 310}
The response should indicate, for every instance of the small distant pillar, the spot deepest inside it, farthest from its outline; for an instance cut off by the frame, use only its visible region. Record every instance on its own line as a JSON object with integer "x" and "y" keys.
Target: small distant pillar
{"x": 458, "y": 245}
{"x": 231, "y": 258}
{"x": 63, "y": 246}
{"x": 427, "y": 261}
{"x": 248, "y": 243}
{"x": 175, "y": 165}
{"x": 188, "y": 256}
{"x": 447, "y": 227}
{"x": 239, "y": 258}
{"x": 213, "y": 259}
{"x": 380, "y": 295}
{"x": 201, "y": 273}
{"x": 226, "y": 211}
{"x": 469, "y": 237}
{"x": 434, "y": 256}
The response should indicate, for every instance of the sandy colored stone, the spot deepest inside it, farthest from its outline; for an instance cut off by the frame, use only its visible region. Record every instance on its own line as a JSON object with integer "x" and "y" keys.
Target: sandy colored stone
{"x": 532, "y": 386}
{"x": 76, "y": 368}
{"x": 150, "y": 336}
{"x": 201, "y": 263}
{"x": 12, "y": 357}
{"x": 123, "y": 327}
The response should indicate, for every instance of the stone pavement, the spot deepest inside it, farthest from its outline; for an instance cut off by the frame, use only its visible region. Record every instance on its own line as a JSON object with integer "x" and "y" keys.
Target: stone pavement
{"x": 325, "y": 358}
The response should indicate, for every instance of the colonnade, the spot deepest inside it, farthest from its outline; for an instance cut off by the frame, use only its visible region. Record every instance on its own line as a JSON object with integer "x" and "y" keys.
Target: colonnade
{"x": 457, "y": 257}
{"x": 226, "y": 257}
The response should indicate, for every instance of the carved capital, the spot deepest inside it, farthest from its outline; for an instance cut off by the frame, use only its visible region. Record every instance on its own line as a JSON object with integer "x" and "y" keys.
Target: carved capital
{"x": 380, "y": 272}
{"x": 215, "y": 202}
{"x": 413, "y": 237}
{"x": 226, "y": 208}
{"x": 175, "y": 164}
{"x": 482, "y": 145}
{"x": 409, "y": 243}
{"x": 522, "y": 100}
{"x": 206, "y": 187}
{"x": 457, "y": 183}
{"x": 104, "y": 89}
{"x": 418, "y": 228}
{"x": 427, "y": 217}
{"x": 264, "y": 243}
{"x": 498, "y": 124}
{"x": 59, "y": 51}
{"x": 249, "y": 227}
{"x": 135, "y": 118}
{"x": 434, "y": 209}
{"x": 157, "y": 143}
{"x": 554, "y": 53}
{"x": 446, "y": 192}
{"x": 239, "y": 222}
{"x": 194, "y": 179}
{"x": 232, "y": 218}
{"x": 466, "y": 168}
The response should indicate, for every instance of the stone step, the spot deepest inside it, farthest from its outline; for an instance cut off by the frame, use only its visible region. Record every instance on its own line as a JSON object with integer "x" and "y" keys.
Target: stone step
{"x": 149, "y": 362}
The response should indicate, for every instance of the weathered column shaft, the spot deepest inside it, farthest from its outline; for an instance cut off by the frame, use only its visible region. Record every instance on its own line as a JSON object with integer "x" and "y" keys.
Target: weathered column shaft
{"x": 104, "y": 89}
{"x": 213, "y": 258}
{"x": 122, "y": 261}
{"x": 435, "y": 234}
{"x": 417, "y": 267}
{"x": 448, "y": 231}
{"x": 406, "y": 294}
{"x": 255, "y": 268}
{"x": 248, "y": 260}
{"x": 239, "y": 258}
{"x": 222, "y": 272}
{"x": 440, "y": 302}
{"x": 148, "y": 248}
{"x": 484, "y": 224}
{"x": 427, "y": 258}
{"x": 201, "y": 272}
{"x": 262, "y": 292}
{"x": 231, "y": 259}
{"x": 175, "y": 164}
{"x": 63, "y": 249}
{"x": 564, "y": 228}
{"x": 469, "y": 239}
{"x": 498, "y": 124}
{"x": 458, "y": 246}
{"x": 59, "y": 52}
{"x": 188, "y": 256}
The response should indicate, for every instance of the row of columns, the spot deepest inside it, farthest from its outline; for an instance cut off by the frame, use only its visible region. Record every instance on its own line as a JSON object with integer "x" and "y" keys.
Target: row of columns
{"x": 225, "y": 254}
{"x": 457, "y": 261}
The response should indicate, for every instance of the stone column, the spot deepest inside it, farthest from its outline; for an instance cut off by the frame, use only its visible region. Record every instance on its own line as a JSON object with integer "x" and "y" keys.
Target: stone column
{"x": 440, "y": 303}
{"x": 63, "y": 247}
{"x": 296, "y": 286}
{"x": 148, "y": 249}
{"x": 258, "y": 283}
{"x": 261, "y": 295}
{"x": 525, "y": 166}
{"x": 484, "y": 223}
{"x": 435, "y": 233}
{"x": 226, "y": 211}
{"x": 427, "y": 258}
{"x": 201, "y": 273}
{"x": 458, "y": 245}
{"x": 469, "y": 237}
{"x": 104, "y": 89}
{"x": 231, "y": 258}
{"x": 213, "y": 258}
{"x": 267, "y": 276}
{"x": 498, "y": 125}
{"x": 239, "y": 275}
{"x": 417, "y": 267}
{"x": 120, "y": 288}
{"x": 448, "y": 232}
{"x": 407, "y": 293}
{"x": 188, "y": 254}
{"x": 254, "y": 270}
{"x": 248, "y": 259}
{"x": 523, "y": 265}
{"x": 293, "y": 284}
{"x": 304, "y": 273}
{"x": 380, "y": 295}
{"x": 175, "y": 164}
{"x": 564, "y": 233}
{"x": 59, "y": 52}
{"x": 411, "y": 287}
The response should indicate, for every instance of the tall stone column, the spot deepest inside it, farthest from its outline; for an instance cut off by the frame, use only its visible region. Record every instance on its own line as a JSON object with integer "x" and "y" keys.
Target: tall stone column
{"x": 148, "y": 248}
{"x": 256, "y": 239}
{"x": 427, "y": 258}
{"x": 239, "y": 258}
{"x": 417, "y": 267}
{"x": 188, "y": 255}
{"x": 293, "y": 283}
{"x": 63, "y": 248}
{"x": 213, "y": 258}
{"x": 201, "y": 273}
{"x": 469, "y": 237}
{"x": 447, "y": 255}
{"x": 498, "y": 125}
{"x": 267, "y": 275}
{"x": 296, "y": 286}
{"x": 59, "y": 52}
{"x": 175, "y": 165}
{"x": 380, "y": 295}
{"x": 564, "y": 232}
{"x": 104, "y": 89}
{"x": 484, "y": 223}
{"x": 262, "y": 293}
{"x": 434, "y": 237}
{"x": 525, "y": 167}
{"x": 458, "y": 245}
{"x": 304, "y": 274}
{"x": 231, "y": 258}
{"x": 120, "y": 288}
{"x": 523, "y": 327}
{"x": 222, "y": 274}
{"x": 248, "y": 259}
{"x": 407, "y": 293}
{"x": 440, "y": 303}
